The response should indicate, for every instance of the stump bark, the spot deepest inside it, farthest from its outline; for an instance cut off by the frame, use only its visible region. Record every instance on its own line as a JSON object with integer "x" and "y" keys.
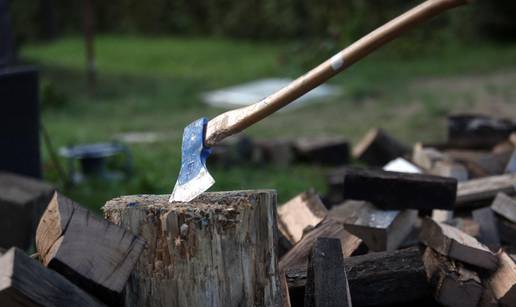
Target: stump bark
{"x": 218, "y": 250}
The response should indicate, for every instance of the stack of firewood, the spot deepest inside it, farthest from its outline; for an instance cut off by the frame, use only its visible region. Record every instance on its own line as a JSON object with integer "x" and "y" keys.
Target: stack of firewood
{"x": 241, "y": 149}
{"x": 435, "y": 226}
{"x": 81, "y": 260}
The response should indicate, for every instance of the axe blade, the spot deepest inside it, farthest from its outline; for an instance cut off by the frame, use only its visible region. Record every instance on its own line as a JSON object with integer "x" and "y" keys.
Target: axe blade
{"x": 194, "y": 177}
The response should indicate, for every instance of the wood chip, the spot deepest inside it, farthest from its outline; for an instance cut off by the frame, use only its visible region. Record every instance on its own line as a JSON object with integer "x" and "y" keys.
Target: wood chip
{"x": 304, "y": 210}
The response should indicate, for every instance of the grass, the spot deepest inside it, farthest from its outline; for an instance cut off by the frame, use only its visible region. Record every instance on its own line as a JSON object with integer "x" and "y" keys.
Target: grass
{"x": 154, "y": 84}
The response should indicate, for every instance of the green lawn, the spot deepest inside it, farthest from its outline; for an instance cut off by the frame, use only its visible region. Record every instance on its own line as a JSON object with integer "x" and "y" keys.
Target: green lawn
{"x": 154, "y": 84}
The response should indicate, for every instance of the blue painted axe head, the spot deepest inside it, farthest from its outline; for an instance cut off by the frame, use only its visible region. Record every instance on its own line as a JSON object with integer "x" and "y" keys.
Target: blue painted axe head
{"x": 194, "y": 177}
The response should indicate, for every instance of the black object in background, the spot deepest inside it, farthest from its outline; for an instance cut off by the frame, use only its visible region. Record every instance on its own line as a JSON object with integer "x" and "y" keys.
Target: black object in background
{"x": 7, "y": 54}
{"x": 19, "y": 122}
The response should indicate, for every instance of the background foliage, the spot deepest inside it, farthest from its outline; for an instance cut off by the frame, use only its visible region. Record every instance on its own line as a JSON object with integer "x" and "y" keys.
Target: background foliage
{"x": 335, "y": 20}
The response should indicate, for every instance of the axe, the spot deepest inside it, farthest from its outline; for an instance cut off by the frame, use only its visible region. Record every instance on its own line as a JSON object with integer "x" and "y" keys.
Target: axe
{"x": 200, "y": 135}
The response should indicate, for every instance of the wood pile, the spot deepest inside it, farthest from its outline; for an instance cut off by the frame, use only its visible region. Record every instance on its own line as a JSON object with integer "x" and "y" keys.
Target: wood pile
{"x": 435, "y": 227}
{"x": 322, "y": 150}
{"x": 81, "y": 260}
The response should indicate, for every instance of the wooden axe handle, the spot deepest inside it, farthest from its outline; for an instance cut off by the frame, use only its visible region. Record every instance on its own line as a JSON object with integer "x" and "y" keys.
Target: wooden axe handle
{"x": 237, "y": 120}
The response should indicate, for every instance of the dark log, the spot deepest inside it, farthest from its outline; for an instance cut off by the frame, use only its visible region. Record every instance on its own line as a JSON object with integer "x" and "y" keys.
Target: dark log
{"x": 217, "y": 250}
{"x": 412, "y": 191}
{"x": 505, "y": 206}
{"x": 326, "y": 282}
{"x": 507, "y": 231}
{"x": 302, "y": 211}
{"x": 379, "y": 229}
{"x": 503, "y": 281}
{"x": 489, "y": 236}
{"x": 20, "y": 126}
{"x": 439, "y": 164}
{"x": 278, "y": 152}
{"x": 478, "y": 131}
{"x": 25, "y": 282}
{"x": 378, "y": 148}
{"x": 453, "y": 284}
{"x": 322, "y": 150}
{"x": 91, "y": 252}
{"x": 450, "y": 241}
{"x": 480, "y": 192}
{"x": 330, "y": 228}
{"x": 378, "y": 278}
{"x": 22, "y": 202}
{"x": 236, "y": 149}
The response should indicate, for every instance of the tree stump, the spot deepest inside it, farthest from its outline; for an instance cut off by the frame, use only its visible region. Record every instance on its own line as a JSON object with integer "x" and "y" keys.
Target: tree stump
{"x": 217, "y": 250}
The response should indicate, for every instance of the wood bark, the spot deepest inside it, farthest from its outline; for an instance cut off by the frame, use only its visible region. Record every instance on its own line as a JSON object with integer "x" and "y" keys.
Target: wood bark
{"x": 503, "y": 281}
{"x": 25, "y": 282}
{"x": 91, "y": 252}
{"x": 378, "y": 148}
{"x": 413, "y": 191}
{"x": 453, "y": 284}
{"x": 481, "y": 191}
{"x": 326, "y": 283}
{"x": 22, "y": 202}
{"x": 217, "y": 250}
{"x": 378, "y": 278}
{"x": 304, "y": 210}
{"x": 322, "y": 150}
{"x": 379, "y": 229}
{"x": 505, "y": 206}
{"x": 450, "y": 241}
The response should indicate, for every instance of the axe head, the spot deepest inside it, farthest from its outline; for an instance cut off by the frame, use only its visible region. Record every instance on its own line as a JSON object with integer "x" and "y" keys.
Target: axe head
{"x": 194, "y": 177}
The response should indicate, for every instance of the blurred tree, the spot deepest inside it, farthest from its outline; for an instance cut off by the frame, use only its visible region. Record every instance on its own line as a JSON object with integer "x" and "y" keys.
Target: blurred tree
{"x": 497, "y": 19}
{"x": 339, "y": 20}
{"x": 48, "y": 19}
{"x": 91, "y": 69}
